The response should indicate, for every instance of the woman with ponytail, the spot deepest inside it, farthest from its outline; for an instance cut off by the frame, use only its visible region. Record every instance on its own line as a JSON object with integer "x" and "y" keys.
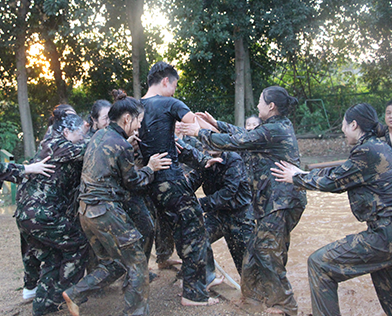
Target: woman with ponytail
{"x": 366, "y": 176}
{"x": 108, "y": 176}
{"x": 278, "y": 206}
{"x": 51, "y": 233}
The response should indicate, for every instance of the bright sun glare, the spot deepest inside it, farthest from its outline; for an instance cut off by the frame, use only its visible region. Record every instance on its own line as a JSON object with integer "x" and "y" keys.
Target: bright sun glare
{"x": 36, "y": 59}
{"x": 151, "y": 18}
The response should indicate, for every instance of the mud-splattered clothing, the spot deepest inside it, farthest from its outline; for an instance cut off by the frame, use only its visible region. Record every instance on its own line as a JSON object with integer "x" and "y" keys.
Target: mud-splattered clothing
{"x": 275, "y": 205}
{"x": 11, "y": 172}
{"x": 51, "y": 233}
{"x": 367, "y": 178}
{"x": 174, "y": 199}
{"x": 108, "y": 175}
{"x": 227, "y": 206}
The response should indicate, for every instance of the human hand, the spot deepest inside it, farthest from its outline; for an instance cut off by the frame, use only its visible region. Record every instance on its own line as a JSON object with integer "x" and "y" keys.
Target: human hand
{"x": 286, "y": 171}
{"x": 212, "y": 162}
{"x": 133, "y": 140}
{"x": 207, "y": 117}
{"x": 40, "y": 167}
{"x": 191, "y": 129}
{"x": 157, "y": 162}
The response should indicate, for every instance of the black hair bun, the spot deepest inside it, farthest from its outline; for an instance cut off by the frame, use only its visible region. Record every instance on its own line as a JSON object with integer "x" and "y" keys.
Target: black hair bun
{"x": 118, "y": 94}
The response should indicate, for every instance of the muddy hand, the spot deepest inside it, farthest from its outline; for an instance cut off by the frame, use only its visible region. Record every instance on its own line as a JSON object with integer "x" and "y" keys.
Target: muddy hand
{"x": 158, "y": 162}
{"x": 212, "y": 162}
{"x": 285, "y": 172}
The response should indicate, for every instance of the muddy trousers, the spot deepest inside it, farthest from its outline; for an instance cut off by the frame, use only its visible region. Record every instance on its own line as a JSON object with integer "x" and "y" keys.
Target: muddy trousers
{"x": 179, "y": 208}
{"x": 352, "y": 256}
{"x": 164, "y": 241}
{"x": 140, "y": 209}
{"x": 32, "y": 266}
{"x": 62, "y": 251}
{"x": 118, "y": 252}
{"x": 236, "y": 228}
{"x": 264, "y": 266}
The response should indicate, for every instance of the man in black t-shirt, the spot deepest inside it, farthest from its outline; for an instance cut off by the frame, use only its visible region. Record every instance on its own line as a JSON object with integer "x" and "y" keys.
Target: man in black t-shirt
{"x": 174, "y": 199}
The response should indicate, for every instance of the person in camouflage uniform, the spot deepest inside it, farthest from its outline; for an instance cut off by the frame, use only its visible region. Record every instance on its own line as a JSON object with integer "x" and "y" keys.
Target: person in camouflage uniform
{"x": 278, "y": 206}
{"x": 164, "y": 242}
{"x": 367, "y": 178}
{"x": 98, "y": 117}
{"x": 108, "y": 175}
{"x": 227, "y": 206}
{"x": 175, "y": 201}
{"x": 15, "y": 173}
{"x": 51, "y": 234}
{"x": 388, "y": 122}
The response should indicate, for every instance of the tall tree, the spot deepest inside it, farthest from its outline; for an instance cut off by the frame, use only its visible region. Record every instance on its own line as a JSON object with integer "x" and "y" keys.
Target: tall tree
{"x": 24, "y": 107}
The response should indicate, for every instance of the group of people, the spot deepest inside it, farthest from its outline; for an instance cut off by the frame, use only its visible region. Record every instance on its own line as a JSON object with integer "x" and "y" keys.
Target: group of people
{"x": 91, "y": 199}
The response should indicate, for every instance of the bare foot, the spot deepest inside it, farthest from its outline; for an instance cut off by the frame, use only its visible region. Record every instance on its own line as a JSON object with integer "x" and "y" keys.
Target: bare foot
{"x": 272, "y": 310}
{"x": 211, "y": 301}
{"x": 168, "y": 263}
{"x": 72, "y": 307}
{"x": 215, "y": 282}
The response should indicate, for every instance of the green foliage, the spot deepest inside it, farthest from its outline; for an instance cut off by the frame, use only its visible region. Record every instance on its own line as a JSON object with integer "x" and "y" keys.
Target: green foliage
{"x": 8, "y": 135}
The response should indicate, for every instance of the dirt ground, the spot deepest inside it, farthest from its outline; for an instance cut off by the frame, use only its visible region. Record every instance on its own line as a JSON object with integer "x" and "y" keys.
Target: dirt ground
{"x": 326, "y": 218}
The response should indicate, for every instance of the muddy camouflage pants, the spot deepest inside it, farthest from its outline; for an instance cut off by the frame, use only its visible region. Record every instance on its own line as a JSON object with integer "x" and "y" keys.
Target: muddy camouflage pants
{"x": 264, "y": 266}
{"x": 32, "y": 266}
{"x": 116, "y": 244}
{"x": 179, "y": 208}
{"x": 140, "y": 209}
{"x": 236, "y": 228}
{"x": 62, "y": 249}
{"x": 352, "y": 256}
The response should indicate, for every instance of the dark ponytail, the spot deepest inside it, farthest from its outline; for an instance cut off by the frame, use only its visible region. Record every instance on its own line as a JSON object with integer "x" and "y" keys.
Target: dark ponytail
{"x": 366, "y": 117}
{"x": 281, "y": 98}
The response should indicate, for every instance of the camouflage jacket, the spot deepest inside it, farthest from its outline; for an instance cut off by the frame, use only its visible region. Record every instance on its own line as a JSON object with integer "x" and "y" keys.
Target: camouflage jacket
{"x": 11, "y": 172}
{"x": 272, "y": 141}
{"x": 366, "y": 176}
{"x": 387, "y": 137}
{"x": 50, "y": 197}
{"x": 108, "y": 170}
{"x": 224, "y": 184}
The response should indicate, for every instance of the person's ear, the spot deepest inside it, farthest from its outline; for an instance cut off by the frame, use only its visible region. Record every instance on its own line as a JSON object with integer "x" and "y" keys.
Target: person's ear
{"x": 354, "y": 125}
{"x": 272, "y": 106}
{"x": 66, "y": 132}
{"x": 165, "y": 81}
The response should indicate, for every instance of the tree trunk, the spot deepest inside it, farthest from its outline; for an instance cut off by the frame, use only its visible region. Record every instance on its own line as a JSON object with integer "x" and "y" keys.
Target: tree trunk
{"x": 249, "y": 98}
{"x": 54, "y": 57}
{"x": 135, "y": 12}
{"x": 239, "y": 113}
{"x": 24, "y": 107}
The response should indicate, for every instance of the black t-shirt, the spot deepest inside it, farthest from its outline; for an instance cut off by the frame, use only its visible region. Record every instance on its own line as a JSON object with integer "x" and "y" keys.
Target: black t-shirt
{"x": 157, "y": 132}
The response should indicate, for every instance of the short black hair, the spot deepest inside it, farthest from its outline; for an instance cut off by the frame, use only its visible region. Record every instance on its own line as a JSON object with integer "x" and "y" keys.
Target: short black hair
{"x": 159, "y": 71}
